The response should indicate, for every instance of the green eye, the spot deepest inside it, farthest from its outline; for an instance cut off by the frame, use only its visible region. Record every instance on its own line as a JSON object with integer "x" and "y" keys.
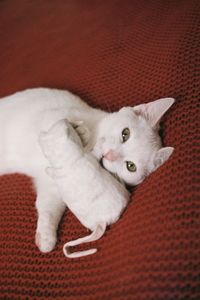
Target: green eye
{"x": 131, "y": 166}
{"x": 125, "y": 134}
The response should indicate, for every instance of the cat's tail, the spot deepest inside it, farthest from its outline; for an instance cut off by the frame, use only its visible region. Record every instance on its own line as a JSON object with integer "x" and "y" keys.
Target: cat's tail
{"x": 95, "y": 235}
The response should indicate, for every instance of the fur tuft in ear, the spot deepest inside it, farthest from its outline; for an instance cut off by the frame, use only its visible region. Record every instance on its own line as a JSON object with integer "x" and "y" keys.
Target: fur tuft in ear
{"x": 161, "y": 156}
{"x": 153, "y": 111}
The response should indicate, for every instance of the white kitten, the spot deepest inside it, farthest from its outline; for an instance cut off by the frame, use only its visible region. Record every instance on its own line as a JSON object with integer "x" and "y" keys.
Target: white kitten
{"x": 131, "y": 153}
{"x": 91, "y": 193}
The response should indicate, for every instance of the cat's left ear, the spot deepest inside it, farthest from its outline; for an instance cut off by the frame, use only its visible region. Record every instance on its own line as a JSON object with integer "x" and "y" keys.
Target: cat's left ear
{"x": 160, "y": 157}
{"x": 153, "y": 111}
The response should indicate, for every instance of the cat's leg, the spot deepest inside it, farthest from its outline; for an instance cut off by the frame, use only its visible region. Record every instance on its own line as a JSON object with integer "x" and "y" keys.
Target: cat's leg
{"x": 50, "y": 208}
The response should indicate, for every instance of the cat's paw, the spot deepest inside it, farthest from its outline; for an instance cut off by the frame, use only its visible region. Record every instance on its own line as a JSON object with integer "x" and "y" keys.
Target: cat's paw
{"x": 45, "y": 243}
{"x": 82, "y": 131}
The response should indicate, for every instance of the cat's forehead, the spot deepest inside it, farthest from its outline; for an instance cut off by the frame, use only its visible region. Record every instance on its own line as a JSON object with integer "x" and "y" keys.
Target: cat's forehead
{"x": 143, "y": 140}
{"x": 127, "y": 117}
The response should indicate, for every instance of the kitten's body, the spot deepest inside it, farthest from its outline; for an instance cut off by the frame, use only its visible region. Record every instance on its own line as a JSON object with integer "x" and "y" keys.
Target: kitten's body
{"x": 99, "y": 199}
{"x": 25, "y": 114}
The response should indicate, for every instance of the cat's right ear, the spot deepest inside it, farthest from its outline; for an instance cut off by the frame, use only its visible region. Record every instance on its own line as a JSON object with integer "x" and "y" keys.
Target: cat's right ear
{"x": 160, "y": 157}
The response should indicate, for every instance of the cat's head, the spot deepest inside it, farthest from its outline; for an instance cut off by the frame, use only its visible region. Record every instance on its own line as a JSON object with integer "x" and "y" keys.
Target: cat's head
{"x": 128, "y": 142}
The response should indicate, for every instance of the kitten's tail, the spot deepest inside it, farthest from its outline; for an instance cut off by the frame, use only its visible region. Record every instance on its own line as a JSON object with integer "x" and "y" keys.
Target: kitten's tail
{"x": 95, "y": 235}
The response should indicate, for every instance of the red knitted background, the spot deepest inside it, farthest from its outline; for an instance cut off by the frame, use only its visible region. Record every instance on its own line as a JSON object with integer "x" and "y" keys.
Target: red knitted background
{"x": 111, "y": 53}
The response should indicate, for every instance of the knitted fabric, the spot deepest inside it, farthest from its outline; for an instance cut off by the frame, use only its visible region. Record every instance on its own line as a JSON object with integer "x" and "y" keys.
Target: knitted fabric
{"x": 112, "y": 54}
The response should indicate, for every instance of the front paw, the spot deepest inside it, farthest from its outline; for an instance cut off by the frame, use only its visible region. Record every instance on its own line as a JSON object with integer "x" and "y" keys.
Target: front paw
{"x": 44, "y": 242}
{"x": 82, "y": 131}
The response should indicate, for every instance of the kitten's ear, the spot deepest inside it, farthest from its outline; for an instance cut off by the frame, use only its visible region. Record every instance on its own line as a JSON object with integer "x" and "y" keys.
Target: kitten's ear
{"x": 161, "y": 157}
{"x": 153, "y": 111}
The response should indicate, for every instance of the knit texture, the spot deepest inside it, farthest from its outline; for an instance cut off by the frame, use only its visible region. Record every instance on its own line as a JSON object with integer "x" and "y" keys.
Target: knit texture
{"x": 112, "y": 54}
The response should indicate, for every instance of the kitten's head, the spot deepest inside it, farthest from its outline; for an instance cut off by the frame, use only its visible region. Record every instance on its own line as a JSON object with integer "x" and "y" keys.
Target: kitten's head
{"x": 128, "y": 142}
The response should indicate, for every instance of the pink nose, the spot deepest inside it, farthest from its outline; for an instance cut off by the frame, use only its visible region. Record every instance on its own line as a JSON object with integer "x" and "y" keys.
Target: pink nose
{"x": 111, "y": 155}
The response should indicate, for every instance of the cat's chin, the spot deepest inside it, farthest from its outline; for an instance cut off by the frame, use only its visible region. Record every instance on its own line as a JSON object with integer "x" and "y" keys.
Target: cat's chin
{"x": 129, "y": 185}
{"x": 102, "y": 163}
{"x": 107, "y": 165}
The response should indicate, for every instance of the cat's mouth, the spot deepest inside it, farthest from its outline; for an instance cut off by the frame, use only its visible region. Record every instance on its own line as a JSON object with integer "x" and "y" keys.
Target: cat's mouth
{"x": 114, "y": 174}
{"x": 101, "y": 162}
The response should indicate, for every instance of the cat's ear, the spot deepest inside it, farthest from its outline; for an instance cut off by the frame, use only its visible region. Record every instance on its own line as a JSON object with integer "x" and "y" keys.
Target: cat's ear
{"x": 160, "y": 157}
{"x": 153, "y": 111}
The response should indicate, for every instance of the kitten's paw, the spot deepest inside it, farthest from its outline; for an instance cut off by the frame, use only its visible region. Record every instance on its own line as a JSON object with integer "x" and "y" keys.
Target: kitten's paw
{"x": 45, "y": 243}
{"x": 82, "y": 131}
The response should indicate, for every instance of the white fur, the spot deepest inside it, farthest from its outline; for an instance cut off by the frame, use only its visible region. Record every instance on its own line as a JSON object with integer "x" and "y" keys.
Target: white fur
{"x": 142, "y": 147}
{"x": 25, "y": 114}
{"x": 89, "y": 191}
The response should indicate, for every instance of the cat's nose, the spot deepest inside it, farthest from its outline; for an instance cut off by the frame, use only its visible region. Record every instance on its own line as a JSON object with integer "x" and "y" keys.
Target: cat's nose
{"x": 111, "y": 155}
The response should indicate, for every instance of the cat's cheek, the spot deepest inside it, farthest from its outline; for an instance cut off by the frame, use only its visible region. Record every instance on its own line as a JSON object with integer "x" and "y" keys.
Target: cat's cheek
{"x": 134, "y": 179}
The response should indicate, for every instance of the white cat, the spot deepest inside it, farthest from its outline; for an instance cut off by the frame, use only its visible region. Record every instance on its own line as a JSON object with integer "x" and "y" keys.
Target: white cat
{"x": 94, "y": 196}
{"x": 127, "y": 142}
